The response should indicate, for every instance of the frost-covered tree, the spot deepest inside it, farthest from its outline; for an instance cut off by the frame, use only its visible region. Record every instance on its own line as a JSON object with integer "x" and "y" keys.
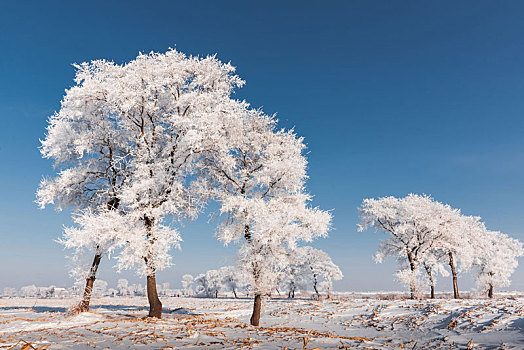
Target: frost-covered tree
{"x": 187, "y": 285}
{"x": 99, "y": 288}
{"x": 416, "y": 224}
{"x": 93, "y": 229}
{"x": 232, "y": 278}
{"x": 10, "y": 292}
{"x": 291, "y": 278}
{"x": 433, "y": 265}
{"x": 308, "y": 266}
{"x": 497, "y": 260}
{"x": 456, "y": 245}
{"x": 165, "y": 110}
{"x": 316, "y": 265}
{"x": 29, "y": 291}
{"x": 172, "y": 105}
{"x": 258, "y": 181}
{"x": 209, "y": 284}
{"x": 90, "y": 153}
{"x": 123, "y": 287}
{"x": 202, "y": 285}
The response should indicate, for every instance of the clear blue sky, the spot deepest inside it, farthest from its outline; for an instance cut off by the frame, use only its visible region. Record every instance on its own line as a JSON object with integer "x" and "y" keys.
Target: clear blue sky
{"x": 391, "y": 97}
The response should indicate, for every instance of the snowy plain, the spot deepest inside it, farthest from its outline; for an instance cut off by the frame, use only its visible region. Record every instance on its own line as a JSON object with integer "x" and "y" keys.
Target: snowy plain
{"x": 196, "y": 323}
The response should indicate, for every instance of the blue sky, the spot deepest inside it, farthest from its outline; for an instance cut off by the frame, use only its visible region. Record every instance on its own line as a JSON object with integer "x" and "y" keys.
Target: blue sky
{"x": 391, "y": 97}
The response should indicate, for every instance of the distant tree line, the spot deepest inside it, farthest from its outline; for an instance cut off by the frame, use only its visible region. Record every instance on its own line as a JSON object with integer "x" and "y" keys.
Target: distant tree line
{"x": 307, "y": 268}
{"x": 429, "y": 238}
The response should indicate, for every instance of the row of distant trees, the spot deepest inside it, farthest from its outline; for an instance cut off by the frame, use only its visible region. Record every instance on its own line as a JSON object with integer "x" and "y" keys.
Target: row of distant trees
{"x": 307, "y": 267}
{"x": 429, "y": 238}
{"x": 100, "y": 289}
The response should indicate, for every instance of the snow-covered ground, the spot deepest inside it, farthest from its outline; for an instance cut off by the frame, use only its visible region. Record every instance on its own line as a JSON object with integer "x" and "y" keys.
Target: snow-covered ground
{"x": 119, "y": 323}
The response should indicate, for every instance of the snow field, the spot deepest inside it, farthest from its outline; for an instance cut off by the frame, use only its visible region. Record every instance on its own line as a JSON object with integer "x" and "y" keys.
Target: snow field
{"x": 196, "y": 323}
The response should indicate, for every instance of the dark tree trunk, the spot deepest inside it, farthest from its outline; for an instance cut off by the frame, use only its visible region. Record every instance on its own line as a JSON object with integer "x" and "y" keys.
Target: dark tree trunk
{"x": 412, "y": 287}
{"x": 429, "y": 271}
{"x": 315, "y": 286}
{"x": 112, "y": 204}
{"x": 155, "y": 306}
{"x": 490, "y": 291}
{"x": 235, "y": 293}
{"x": 412, "y": 292}
{"x": 454, "y": 274}
{"x": 90, "y": 281}
{"x": 255, "y": 318}
{"x": 216, "y": 293}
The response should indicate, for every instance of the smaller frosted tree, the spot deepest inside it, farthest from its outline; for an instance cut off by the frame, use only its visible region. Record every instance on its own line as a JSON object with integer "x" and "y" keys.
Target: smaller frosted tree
{"x": 123, "y": 287}
{"x": 29, "y": 291}
{"x": 414, "y": 225}
{"x": 202, "y": 285}
{"x": 10, "y": 292}
{"x": 497, "y": 261}
{"x": 232, "y": 279}
{"x": 317, "y": 265}
{"x": 99, "y": 288}
{"x": 187, "y": 285}
{"x": 291, "y": 279}
{"x": 95, "y": 233}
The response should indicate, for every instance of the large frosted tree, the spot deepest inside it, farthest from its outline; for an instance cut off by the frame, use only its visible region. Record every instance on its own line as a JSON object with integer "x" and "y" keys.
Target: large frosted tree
{"x": 164, "y": 110}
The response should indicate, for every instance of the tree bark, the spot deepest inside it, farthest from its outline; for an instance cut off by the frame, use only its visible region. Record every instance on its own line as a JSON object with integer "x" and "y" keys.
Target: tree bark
{"x": 112, "y": 204}
{"x": 412, "y": 286}
{"x": 490, "y": 291}
{"x": 429, "y": 271}
{"x": 255, "y": 317}
{"x": 235, "y": 293}
{"x": 90, "y": 281}
{"x": 315, "y": 286}
{"x": 155, "y": 306}
{"x": 412, "y": 291}
{"x": 454, "y": 274}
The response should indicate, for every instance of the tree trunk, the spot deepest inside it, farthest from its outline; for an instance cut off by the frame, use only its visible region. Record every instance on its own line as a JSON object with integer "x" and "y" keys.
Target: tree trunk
{"x": 490, "y": 291}
{"x": 412, "y": 286}
{"x": 90, "y": 281}
{"x": 429, "y": 271}
{"x": 454, "y": 274}
{"x": 112, "y": 204}
{"x": 235, "y": 293}
{"x": 412, "y": 291}
{"x": 255, "y": 318}
{"x": 315, "y": 287}
{"x": 155, "y": 306}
